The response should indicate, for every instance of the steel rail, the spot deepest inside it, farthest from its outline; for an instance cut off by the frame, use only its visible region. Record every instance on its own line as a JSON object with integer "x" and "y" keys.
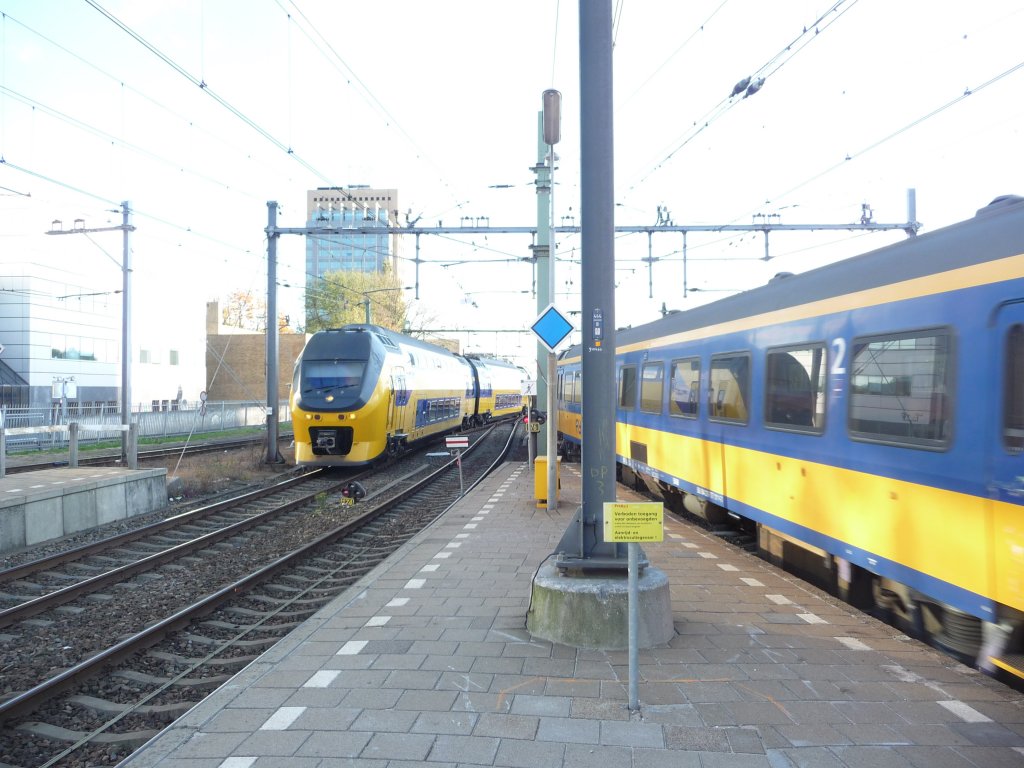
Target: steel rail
{"x": 33, "y": 698}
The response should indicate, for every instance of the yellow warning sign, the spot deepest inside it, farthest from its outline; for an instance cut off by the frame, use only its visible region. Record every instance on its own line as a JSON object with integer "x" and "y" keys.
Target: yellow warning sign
{"x": 634, "y": 521}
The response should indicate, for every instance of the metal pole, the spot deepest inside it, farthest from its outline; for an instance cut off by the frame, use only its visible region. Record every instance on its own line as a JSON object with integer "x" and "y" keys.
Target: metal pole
{"x": 126, "y": 333}
{"x": 633, "y": 585}
{"x": 551, "y": 443}
{"x": 366, "y": 306}
{"x": 544, "y": 256}
{"x": 273, "y": 457}
{"x": 598, "y": 272}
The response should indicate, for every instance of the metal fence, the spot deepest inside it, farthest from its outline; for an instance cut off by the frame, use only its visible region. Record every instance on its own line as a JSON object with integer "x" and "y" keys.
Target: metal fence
{"x": 194, "y": 419}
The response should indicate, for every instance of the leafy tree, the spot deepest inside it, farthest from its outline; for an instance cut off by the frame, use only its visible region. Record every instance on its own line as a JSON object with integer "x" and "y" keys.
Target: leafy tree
{"x": 244, "y": 310}
{"x": 339, "y": 298}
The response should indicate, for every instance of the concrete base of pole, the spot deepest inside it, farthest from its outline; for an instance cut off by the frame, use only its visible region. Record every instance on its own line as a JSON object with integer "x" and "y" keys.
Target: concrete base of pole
{"x": 593, "y": 611}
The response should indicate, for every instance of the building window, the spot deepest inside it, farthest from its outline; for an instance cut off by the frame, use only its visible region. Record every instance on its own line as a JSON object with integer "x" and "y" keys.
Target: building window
{"x": 144, "y": 356}
{"x": 173, "y": 357}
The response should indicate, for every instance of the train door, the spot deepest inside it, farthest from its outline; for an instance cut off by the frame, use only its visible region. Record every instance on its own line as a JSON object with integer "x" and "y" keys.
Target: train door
{"x": 397, "y": 413}
{"x": 1006, "y": 479}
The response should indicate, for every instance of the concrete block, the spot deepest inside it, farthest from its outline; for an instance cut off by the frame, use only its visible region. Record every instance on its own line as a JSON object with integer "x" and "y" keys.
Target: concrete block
{"x": 46, "y": 520}
{"x": 593, "y": 611}
{"x": 12, "y": 528}
{"x": 79, "y": 510}
{"x": 110, "y": 505}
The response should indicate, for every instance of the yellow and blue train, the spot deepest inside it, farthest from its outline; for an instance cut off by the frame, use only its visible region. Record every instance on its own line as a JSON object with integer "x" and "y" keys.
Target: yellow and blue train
{"x": 864, "y": 420}
{"x": 362, "y": 392}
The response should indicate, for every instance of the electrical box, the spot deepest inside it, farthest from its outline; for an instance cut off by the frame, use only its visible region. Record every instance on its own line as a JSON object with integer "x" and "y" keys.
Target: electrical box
{"x": 540, "y": 479}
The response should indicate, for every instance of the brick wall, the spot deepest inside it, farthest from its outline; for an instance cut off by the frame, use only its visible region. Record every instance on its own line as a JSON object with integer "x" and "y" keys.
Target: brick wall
{"x": 236, "y": 361}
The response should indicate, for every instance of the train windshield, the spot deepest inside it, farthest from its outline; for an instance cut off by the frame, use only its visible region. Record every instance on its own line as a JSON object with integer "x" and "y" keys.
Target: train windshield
{"x": 325, "y": 376}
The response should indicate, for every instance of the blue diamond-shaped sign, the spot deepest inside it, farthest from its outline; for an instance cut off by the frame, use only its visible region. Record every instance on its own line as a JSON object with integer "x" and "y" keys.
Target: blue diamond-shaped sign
{"x": 552, "y": 327}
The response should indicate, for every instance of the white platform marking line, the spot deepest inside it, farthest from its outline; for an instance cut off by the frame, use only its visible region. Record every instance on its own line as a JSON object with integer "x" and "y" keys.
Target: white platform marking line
{"x": 689, "y": 545}
{"x": 476, "y": 519}
{"x": 351, "y": 648}
{"x": 415, "y": 584}
{"x": 810, "y": 618}
{"x": 377, "y": 621}
{"x": 752, "y": 582}
{"x": 469, "y": 526}
{"x": 430, "y": 568}
{"x": 453, "y": 545}
{"x": 322, "y": 679}
{"x": 779, "y": 599}
{"x": 398, "y": 602}
{"x": 727, "y": 567}
{"x": 708, "y": 555}
{"x": 280, "y": 720}
{"x": 854, "y": 644}
{"x": 461, "y": 535}
{"x": 965, "y": 712}
{"x": 237, "y": 762}
{"x": 675, "y": 536}
{"x": 442, "y": 555}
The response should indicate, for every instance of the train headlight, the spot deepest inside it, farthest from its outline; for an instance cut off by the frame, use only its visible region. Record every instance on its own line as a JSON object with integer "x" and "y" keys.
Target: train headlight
{"x": 329, "y": 398}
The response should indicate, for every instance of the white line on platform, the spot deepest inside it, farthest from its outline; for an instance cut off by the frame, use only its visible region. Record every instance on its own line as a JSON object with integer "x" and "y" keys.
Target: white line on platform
{"x": 377, "y": 621}
{"x": 708, "y": 555}
{"x": 854, "y": 644}
{"x": 752, "y": 582}
{"x": 280, "y": 720}
{"x": 810, "y": 618}
{"x": 398, "y": 602}
{"x": 727, "y": 567}
{"x": 430, "y": 568}
{"x": 237, "y": 762}
{"x": 442, "y": 555}
{"x": 966, "y": 713}
{"x": 415, "y": 584}
{"x": 779, "y": 599}
{"x": 351, "y": 648}
{"x": 322, "y": 679}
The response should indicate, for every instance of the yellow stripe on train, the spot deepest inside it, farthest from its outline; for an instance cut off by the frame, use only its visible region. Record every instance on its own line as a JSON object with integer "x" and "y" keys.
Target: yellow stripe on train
{"x": 969, "y": 538}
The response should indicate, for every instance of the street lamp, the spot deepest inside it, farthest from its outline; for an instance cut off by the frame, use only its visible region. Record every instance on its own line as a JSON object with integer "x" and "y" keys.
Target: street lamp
{"x": 126, "y": 357}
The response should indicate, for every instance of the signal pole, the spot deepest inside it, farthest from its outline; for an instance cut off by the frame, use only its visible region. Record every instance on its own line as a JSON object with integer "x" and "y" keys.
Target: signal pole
{"x": 126, "y": 308}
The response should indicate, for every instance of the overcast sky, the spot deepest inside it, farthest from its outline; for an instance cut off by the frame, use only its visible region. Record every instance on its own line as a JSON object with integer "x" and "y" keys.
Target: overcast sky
{"x": 200, "y": 111}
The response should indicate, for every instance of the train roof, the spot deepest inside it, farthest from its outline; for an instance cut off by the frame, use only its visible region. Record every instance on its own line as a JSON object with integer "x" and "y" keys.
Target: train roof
{"x": 321, "y": 341}
{"x": 996, "y": 231}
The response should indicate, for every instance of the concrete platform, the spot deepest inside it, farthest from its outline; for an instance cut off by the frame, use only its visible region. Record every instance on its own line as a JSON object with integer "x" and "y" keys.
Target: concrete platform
{"x": 50, "y": 503}
{"x": 427, "y": 661}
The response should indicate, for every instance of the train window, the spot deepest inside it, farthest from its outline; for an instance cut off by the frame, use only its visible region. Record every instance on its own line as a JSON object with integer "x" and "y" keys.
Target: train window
{"x": 1013, "y": 391}
{"x": 577, "y": 387}
{"x": 684, "y": 388}
{"x": 901, "y": 388}
{"x": 795, "y": 388}
{"x": 627, "y": 387}
{"x": 652, "y": 387}
{"x": 729, "y": 390}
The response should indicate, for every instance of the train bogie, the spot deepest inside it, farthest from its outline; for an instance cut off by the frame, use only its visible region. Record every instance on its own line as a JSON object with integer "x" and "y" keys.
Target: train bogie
{"x": 867, "y": 418}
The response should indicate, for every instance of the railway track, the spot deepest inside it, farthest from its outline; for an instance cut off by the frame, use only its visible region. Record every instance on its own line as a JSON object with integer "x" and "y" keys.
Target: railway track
{"x": 84, "y": 685}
